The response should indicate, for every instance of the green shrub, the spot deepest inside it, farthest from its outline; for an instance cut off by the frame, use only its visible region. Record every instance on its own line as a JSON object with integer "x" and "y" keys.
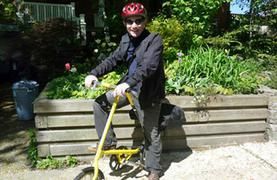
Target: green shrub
{"x": 198, "y": 15}
{"x": 170, "y": 55}
{"x": 260, "y": 49}
{"x": 170, "y": 29}
{"x": 175, "y": 34}
{"x": 210, "y": 71}
{"x": 52, "y": 44}
{"x": 7, "y": 11}
{"x": 272, "y": 83}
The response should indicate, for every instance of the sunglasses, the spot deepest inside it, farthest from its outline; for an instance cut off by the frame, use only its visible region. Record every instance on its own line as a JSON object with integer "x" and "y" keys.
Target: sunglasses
{"x": 137, "y": 21}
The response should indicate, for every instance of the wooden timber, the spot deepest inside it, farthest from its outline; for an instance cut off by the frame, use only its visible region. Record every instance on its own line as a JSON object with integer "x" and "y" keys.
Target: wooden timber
{"x": 66, "y": 127}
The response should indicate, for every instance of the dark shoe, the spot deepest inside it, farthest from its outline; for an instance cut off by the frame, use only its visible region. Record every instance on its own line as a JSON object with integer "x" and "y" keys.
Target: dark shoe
{"x": 154, "y": 175}
{"x": 105, "y": 147}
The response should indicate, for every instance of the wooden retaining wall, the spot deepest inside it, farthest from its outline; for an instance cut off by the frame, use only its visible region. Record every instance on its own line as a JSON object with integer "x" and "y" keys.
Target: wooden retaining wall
{"x": 66, "y": 127}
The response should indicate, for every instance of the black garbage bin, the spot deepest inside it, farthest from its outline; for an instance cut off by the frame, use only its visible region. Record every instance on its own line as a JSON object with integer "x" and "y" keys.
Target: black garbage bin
{"x": 24, "y": 93}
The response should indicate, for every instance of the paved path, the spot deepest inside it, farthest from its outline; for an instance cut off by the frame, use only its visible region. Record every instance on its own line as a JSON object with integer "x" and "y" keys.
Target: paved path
{"x": 251, "y": 161}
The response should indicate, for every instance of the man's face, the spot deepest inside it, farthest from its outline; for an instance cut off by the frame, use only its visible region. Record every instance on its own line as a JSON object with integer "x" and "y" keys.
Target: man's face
{"x": 135, "y": 25}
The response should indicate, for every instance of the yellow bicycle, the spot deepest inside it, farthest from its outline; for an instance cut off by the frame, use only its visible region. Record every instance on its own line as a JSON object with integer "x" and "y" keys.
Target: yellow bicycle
{"x": 119, "y": 156}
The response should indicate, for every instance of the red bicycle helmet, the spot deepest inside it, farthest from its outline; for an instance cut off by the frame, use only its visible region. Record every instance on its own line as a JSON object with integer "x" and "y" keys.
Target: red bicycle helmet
{"x": 133, "y": 9}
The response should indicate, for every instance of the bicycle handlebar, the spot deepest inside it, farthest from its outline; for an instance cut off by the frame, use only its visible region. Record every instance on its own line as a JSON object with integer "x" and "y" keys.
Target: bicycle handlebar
{"x": 105, "y": 85}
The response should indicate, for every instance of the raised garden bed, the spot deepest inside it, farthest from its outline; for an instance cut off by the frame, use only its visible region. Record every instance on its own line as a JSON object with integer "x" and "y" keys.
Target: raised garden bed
{"x": 66, "y": 127}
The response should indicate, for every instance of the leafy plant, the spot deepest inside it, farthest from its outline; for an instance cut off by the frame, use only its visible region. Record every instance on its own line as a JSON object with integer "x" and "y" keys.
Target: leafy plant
{"x": 7, "y": 11}
{"x": 196, "y": 14}
{"x": 52, "y": 44}
{"x": 70, "y": 161}
{"x": 175, "y": 33}
{"x": 259, "y": 49}
{"x": 170, "y": 29}
{"x": 200, "y": 71}
{"x": 169, "y": 55}
{"x": 71, "y": 85}
{"x": 52, "y": 163}
{"x": 272, "y": 83}
{"x": 113, "y": 21}
{"x": 210, "y": 71}
{"x": 48, "y": 162}
{"x": 32, "y": 148}
{"x": 102, "y": 48}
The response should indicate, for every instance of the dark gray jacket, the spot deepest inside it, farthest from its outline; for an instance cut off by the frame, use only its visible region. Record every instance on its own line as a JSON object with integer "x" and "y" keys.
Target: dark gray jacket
{"x": 149, "y": 71}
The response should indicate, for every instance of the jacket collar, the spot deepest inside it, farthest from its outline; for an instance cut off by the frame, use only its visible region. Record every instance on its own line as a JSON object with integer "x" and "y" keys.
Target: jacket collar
{"x": 126, "y": 38}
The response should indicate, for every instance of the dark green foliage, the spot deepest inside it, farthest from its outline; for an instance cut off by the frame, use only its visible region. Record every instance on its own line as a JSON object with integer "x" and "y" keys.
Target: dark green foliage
{"x": 32, "y": 148}
{"x": 7, "y": 11}
{"x": 52, "y": 44}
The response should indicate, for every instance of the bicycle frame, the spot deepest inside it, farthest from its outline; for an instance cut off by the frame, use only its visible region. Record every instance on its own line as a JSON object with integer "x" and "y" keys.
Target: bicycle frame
{"x": 118, "y": 152}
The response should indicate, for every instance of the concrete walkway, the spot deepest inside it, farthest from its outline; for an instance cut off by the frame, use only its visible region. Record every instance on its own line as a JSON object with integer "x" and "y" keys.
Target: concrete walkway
{"x": 251, "y": 161}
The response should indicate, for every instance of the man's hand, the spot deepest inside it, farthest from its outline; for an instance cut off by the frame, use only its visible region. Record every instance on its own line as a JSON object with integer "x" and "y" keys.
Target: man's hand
{"x": 120, "y": 89}
{"x": 89, "y": 80}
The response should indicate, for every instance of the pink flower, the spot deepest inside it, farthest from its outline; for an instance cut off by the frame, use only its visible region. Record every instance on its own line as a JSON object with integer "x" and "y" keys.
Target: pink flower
{"x": 67, "y": 67}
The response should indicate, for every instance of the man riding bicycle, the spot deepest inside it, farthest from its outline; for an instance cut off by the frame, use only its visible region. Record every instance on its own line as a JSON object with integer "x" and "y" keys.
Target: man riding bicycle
{"x": 141, "y": 51}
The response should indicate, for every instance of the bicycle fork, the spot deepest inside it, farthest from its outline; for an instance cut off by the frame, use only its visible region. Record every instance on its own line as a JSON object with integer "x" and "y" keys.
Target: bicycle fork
{"x": 99, "y": 152}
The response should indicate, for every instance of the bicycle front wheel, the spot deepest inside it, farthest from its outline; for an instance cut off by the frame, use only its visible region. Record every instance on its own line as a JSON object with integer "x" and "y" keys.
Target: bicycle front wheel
{"x": 88, "y": 173}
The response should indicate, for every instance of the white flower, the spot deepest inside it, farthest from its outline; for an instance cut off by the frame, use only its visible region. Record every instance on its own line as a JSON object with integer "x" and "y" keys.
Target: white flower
{"x": 103, "y": 45}
{"x": 96, "y": 51}
{"x": 98, "y": 41}
{"x": 180, "y": 55}
{"x": 107, "y": 38}
{"x": 73, "y": 69}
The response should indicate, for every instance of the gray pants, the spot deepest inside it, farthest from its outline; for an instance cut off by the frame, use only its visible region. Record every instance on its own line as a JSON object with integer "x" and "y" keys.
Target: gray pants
{"x": 149, "y": 120}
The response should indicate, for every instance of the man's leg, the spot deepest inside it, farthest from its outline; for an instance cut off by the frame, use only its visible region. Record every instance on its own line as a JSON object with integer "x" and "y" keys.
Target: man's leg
{"x": 153, "y": 147}
{"x": 101, "y": 109}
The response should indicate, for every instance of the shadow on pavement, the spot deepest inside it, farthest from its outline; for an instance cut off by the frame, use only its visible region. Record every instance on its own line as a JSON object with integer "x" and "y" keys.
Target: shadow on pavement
{"x": 14, "y": 138}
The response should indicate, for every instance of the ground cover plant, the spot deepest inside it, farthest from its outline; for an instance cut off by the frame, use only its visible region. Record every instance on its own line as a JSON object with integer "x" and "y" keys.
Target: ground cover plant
{"x": 49, "y": 162}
